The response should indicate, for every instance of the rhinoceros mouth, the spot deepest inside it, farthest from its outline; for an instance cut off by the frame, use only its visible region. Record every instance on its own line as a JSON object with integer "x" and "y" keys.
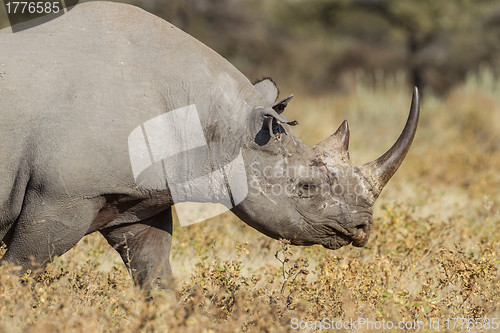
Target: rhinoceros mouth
{"x": 336, "y": 239}
{"x": 336, "y": 242}
{"x": 339, "y": 237}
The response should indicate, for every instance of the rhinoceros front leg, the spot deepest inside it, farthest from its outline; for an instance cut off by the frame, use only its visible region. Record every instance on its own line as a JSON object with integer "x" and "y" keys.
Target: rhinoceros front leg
{"x": 47, "y": 228}
{"x": 145, "y": 249}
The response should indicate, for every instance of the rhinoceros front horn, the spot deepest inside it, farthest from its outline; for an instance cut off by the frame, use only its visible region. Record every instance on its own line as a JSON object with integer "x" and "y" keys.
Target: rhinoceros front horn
{"x": 379, "y": 172}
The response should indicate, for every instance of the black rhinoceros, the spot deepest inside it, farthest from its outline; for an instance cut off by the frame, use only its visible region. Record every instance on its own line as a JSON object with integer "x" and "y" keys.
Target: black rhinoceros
{"x": 81, "y": 97}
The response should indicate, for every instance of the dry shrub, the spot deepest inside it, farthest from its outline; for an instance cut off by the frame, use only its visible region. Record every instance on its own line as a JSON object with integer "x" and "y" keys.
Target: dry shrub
{"x": 433, "y": 252}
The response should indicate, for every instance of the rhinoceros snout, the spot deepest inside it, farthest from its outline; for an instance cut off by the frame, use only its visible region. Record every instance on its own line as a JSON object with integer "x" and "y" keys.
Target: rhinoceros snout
{"x": 360, "y": 234}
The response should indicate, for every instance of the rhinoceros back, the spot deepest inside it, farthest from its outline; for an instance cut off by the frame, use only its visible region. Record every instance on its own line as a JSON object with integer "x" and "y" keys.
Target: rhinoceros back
{"x": 83, "y": 81}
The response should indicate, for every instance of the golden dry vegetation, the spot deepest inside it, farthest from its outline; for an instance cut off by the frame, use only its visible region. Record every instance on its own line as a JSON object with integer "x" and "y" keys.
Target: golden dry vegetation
{"x": 433, "y": 253}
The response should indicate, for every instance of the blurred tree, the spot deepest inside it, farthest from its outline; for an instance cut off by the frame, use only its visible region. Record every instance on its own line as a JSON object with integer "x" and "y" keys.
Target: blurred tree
{"x": 317, "y": 44}
{"x": 237, "y": 29}
{"x": 442, "y": 40}
{"x": 435, "y": 31}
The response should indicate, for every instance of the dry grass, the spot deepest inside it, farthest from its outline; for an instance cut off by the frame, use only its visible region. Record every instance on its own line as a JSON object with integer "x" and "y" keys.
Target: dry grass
{"x": 433, "y": 252}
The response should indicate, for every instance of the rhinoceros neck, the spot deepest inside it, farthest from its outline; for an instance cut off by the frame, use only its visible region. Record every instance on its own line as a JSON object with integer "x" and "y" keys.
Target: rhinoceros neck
{"x": 197, "y": 142}
{"x": 225, "y": 101}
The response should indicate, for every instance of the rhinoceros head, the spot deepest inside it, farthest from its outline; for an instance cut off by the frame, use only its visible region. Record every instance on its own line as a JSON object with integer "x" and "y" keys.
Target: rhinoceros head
{"x": 312, "y": 195}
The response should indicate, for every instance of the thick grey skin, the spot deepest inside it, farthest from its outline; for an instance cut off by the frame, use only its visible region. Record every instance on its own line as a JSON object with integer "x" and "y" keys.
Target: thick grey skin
{"x": 73, "y": 89}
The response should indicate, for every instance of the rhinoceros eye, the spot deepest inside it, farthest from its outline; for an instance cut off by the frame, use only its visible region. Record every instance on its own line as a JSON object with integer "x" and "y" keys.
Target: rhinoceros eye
{"x": 308, "y": 187}
{"x": 307, "y": 190}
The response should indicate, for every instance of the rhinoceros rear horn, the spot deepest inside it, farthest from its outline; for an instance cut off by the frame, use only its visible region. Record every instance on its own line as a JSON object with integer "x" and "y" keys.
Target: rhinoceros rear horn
{"x": 338, "y": 140}
{"x": 379, "y": 172}
{"x": 335, "y": 149}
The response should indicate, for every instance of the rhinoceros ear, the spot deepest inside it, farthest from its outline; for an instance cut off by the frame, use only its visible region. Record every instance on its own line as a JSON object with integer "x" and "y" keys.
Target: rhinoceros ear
{"x": 270, "y": 113}
{"x": 268, "y": 89}
{"x": 271, "y": 124}
{"x": 280, "y": 106}
{"x": 273, "y": 120}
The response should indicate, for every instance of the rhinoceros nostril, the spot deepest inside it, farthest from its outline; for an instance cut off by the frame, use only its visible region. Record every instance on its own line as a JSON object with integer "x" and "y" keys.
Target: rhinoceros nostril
{"x": 360, "y": 235}
{"x": 360, "y": 229}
